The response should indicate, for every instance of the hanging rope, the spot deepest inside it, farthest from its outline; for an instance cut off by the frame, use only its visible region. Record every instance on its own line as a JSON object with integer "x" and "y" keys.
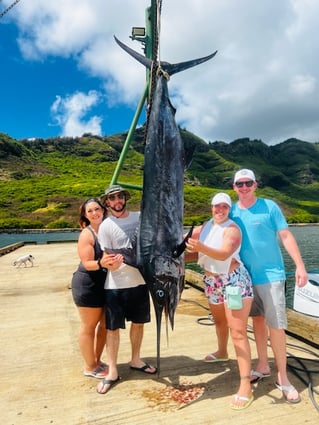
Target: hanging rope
{"x": 157, "y": 30}
{"x": 156, "y": 19}
{"x": 8, "y": 8}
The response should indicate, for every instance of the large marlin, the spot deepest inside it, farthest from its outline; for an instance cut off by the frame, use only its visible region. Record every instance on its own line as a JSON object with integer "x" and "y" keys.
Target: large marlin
{"x": 160, "y": 242}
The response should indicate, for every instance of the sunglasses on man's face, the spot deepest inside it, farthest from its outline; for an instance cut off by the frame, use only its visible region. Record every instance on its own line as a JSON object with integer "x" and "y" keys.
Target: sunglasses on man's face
{"x": 118, "y": 196}
{"x": 249, "y": 183}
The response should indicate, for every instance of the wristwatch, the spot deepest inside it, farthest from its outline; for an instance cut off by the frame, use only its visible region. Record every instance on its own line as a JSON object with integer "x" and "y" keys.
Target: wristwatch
{"x": 100, "y": 265}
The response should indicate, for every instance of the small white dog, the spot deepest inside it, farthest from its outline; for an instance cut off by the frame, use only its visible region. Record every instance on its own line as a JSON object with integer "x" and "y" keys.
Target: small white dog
{"x": 24, "y": 259}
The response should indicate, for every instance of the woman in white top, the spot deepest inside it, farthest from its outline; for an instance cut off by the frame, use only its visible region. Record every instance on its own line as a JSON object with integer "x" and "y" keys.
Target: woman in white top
{"x": 218, "y": 247}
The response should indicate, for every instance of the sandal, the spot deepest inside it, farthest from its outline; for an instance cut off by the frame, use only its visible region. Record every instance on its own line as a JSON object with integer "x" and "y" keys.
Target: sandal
{"x": 247, "y": 400}
{"x": 211, "y": 358}
{"x": 256, "y": 376}
{"x": 145, "y": 369}
{"x": 286, "y": 390}
{"x": 106, "y": 384}
{"x": 98, "y": 373}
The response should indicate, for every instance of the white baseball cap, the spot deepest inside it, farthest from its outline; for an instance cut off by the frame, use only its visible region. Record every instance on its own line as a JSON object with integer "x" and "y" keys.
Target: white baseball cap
{"x": 244, "y": 174}
{"x": 221, "y": 198}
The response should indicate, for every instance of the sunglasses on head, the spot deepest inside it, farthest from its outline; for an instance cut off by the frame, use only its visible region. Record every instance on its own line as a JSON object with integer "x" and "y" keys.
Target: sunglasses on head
{"x": 118, "y": 196}
{"x": 248, "y": 183}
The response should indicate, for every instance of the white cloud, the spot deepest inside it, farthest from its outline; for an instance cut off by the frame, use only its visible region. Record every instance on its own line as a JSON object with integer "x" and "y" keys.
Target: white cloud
{"x": 267, "y": 55}
{"x": 69, "y": 113}
{"x": 303, "y": 84}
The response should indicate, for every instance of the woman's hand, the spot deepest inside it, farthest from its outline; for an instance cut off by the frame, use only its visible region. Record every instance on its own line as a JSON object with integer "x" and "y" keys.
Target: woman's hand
{"x": 111, "y": 261}
{"x": 193, "y": 245}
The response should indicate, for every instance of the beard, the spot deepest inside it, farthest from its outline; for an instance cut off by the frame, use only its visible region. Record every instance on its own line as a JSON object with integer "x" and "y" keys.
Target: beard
{"x": 118, "y": 207}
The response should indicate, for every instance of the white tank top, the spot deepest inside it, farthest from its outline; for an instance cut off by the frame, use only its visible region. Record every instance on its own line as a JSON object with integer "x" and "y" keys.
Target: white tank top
{"x": 212, "y": 236}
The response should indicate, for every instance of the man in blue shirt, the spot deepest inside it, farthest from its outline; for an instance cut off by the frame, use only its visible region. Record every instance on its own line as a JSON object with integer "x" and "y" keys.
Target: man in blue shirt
{"x": 262, "y": 222}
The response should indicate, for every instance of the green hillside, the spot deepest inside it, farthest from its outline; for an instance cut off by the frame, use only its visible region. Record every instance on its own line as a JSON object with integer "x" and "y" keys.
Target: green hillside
{"x": 43, "y": 181}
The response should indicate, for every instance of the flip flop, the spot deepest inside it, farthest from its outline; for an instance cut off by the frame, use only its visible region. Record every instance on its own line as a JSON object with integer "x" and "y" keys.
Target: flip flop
{"x": 108, "y": 383}
{"x": 143, "y": 369}
{"x": 211, "y": 358}
{"x": 287, "y": 389}
{"x": 247, "y": 400}
{"x": 259, "y": 376}
{"x": 98, "y": 373}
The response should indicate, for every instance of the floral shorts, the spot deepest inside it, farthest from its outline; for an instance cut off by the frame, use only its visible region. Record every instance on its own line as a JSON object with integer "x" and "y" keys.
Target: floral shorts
{"x": 215, "y": 285}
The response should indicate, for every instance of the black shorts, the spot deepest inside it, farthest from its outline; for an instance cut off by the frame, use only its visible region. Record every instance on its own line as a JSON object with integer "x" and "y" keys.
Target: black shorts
{"x": 88, "y": 290}
{"x": 131, "y": 304}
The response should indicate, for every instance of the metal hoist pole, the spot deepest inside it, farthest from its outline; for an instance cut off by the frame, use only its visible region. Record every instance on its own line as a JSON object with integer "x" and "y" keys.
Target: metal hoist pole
{"x": 148, "y": 41}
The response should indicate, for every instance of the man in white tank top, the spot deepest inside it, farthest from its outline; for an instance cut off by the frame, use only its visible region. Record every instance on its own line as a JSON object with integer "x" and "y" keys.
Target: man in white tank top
{"x": 126, "y": 293}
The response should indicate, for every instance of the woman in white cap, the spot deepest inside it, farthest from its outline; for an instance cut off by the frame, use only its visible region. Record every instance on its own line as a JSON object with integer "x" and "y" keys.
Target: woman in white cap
{"x": 228, "y": 288}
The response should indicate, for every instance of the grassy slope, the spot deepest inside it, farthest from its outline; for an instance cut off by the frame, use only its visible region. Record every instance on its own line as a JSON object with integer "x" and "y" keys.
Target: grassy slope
{"x": 43, "y": 182}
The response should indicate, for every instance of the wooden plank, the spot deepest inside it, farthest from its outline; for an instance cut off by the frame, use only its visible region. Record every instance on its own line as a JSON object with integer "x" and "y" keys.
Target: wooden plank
{"x": 9, "y": 248}
{"x": 299, "y": 325}
{"x": 194, "y": 279}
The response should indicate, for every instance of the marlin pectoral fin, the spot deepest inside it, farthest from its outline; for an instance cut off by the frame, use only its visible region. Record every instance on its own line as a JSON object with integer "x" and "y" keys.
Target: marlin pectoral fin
{"x": 179, "y": 249}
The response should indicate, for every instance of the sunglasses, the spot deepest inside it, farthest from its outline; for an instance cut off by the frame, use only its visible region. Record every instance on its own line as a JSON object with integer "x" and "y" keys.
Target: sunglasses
{"x": 118, "y": 196}
{"x": 249, "y": 183}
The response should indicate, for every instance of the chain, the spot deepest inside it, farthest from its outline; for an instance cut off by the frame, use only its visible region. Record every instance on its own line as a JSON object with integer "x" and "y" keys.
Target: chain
{"x": 8, "y": 8}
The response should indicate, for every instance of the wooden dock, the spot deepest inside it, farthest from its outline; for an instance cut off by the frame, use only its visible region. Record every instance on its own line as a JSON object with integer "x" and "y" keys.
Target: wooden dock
{"x": 42, "y": 381}
{"x": 10, "y": 248}
{"x": 305, "y": 327}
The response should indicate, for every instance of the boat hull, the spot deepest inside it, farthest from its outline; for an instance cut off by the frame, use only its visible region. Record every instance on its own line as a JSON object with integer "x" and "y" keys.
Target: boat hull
{"x": 306, "y": 299}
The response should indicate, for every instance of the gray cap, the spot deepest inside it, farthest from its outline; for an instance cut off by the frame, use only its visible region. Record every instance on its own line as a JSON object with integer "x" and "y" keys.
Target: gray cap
{"x": 114, "y": 188}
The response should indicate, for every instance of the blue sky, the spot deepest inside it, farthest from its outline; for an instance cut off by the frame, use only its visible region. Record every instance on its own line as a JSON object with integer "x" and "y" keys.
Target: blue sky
{"x": 30, "y": 88}
{"x": 62, "y": 74}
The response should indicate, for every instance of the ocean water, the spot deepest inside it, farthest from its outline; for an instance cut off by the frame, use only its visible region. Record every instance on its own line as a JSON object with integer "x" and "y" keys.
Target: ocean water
{"x": 307, "y": 238}
{"x": 38, "y": 237}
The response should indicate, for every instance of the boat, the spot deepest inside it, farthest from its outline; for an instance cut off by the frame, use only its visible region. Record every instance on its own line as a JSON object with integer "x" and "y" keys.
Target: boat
{"x": 306, "y": 299}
